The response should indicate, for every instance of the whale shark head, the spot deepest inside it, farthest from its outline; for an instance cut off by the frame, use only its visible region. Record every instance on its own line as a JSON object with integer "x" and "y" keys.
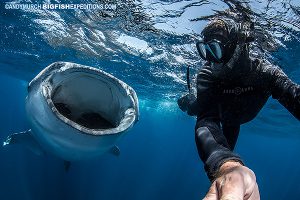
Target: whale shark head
{"x": 88, "y": 99}
{"x": 77, "y": 111}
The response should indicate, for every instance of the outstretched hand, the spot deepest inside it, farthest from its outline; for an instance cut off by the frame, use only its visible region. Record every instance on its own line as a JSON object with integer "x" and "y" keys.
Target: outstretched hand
{"x": 235, "y": 182}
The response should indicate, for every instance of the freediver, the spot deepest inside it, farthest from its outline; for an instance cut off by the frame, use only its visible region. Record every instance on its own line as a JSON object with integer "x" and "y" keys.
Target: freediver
{"x": 232, "y": 88}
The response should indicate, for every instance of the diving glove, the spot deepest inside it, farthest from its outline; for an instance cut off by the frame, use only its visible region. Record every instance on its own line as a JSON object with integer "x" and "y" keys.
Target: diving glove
{"x": 185, "y": 101}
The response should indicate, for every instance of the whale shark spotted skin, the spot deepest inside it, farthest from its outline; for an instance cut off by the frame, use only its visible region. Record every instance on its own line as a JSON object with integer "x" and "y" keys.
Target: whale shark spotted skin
{"x": 76, "y": 112}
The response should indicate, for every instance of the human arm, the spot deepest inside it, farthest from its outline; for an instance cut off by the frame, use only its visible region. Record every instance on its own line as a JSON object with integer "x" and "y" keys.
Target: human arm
{"x": 231, "y": 180}
{"x": 284, "y": 89}
{"x": 212, "y": 144}
{"x": 215, "y": 145}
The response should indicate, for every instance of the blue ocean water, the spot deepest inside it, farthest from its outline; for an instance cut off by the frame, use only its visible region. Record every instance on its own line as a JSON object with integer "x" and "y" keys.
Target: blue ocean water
{"x": 147, "y": 44}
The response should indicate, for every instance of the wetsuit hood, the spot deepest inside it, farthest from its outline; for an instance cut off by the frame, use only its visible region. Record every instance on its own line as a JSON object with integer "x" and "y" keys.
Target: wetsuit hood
{"x": 225, "y": 31}
{"x": 236, "y": 51}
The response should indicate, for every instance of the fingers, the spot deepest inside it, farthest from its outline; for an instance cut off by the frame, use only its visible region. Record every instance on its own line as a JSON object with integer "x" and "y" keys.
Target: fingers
{"x": 252, "y": 191}
{"x": 236, "y": 183}
{"x": 231, "y": 187}
{"x": 228, "y": 187}
{"x": 255, "y": 194}
{"x": 212, "y": 194}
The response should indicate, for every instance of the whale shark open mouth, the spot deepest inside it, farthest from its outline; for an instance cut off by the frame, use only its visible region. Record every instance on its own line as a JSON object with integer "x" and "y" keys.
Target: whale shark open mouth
{"x": 83, "y": 99}
{"x": 91, "y": 120}
{"x": 90, "y": 100}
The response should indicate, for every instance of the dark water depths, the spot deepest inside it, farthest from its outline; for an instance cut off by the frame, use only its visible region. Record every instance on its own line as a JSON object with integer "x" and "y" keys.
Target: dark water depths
{"x": 147, "y": 44}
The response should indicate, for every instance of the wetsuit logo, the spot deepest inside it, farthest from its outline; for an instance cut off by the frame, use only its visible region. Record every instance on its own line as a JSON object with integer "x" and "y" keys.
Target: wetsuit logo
{"x": 238, "y": 90}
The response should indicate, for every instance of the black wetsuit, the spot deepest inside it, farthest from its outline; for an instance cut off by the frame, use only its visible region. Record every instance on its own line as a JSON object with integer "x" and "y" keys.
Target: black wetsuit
{"x": 227, "y": 99}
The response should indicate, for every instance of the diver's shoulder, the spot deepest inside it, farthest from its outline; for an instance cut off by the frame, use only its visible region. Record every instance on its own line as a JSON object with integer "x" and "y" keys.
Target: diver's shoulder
{"x": 264, "y": 66}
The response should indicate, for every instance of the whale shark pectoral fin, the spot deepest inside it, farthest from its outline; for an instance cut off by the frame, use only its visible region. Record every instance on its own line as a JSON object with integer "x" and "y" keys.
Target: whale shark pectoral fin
{"x": 25, "y": 138}
{"x": 115, "y": 151}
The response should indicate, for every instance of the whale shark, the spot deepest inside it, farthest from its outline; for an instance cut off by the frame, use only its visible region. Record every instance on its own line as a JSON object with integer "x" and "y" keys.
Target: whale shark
{"x": 76, "y": 112}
